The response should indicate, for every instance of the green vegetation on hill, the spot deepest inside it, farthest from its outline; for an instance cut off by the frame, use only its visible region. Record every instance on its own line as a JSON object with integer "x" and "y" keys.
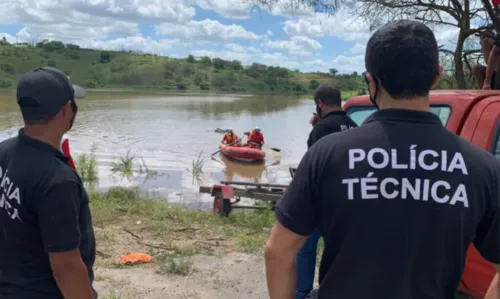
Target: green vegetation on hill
{"x": 114, "y": 69}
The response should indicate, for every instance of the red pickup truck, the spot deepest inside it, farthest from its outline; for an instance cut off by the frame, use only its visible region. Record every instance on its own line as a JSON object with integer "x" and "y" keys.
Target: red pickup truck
{"x": 475, "y": 116}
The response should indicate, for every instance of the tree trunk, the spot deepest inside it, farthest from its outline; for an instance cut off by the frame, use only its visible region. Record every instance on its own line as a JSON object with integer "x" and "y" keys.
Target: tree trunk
{"x": 459, "y": 66}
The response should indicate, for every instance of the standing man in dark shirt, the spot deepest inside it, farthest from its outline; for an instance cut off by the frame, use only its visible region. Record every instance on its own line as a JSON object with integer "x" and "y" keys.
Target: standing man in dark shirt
{"x": 328, "y": 102}
{"x": 399, "y": 199}
{"x": 47, "y": 241}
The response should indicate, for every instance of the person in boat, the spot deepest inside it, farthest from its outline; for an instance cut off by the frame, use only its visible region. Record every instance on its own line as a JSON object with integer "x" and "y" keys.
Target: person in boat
{"x": 369, "y": 190}
{"x": 255, "y": 138}
{"x": 230, "y": 138}
{"x": 486, "y": 76}
{"x": 330, "y": 119}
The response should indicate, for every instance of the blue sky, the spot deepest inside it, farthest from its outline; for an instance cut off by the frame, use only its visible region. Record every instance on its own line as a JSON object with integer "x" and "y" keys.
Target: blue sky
{"x": 296, "y": 38}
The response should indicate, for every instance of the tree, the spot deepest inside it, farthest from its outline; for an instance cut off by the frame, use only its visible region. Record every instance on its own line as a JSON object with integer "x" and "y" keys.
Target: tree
{"x": 206, "y": 61}
{"x": 105, "y": 57}
{"x": 190, "y": 59}
{"x": 218, "y": 63}
{"x": 313, "y": 84}
{"x": 333, "y": 72}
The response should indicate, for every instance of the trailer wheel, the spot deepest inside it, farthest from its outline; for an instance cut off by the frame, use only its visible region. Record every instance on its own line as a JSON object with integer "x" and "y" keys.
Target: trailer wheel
{"x": 222, "y": 206}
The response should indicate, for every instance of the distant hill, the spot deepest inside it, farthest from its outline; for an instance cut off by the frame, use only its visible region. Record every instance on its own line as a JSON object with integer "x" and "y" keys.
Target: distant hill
{"x": 131, "y": 70}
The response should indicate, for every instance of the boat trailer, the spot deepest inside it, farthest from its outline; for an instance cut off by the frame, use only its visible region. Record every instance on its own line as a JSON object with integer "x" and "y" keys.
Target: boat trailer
{"x": 228, "y": 194}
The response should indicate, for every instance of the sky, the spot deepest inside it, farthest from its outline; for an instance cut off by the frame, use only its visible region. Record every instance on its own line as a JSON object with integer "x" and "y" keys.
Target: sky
{"x": 296, "y": 38}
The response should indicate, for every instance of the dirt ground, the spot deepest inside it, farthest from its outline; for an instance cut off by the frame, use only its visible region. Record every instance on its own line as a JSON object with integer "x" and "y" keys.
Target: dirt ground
{"x": 231, "y": 276}
{"x": 215, "y": 270}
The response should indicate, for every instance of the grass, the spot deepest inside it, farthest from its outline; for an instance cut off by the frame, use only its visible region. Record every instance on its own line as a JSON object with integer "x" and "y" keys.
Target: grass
{"x": 124, "y": 165}
{"x": 197, "y": 168}
{"x": 87, "y": 166}
{"x": 241, "y": 231}
{"x": 179, "y": 265}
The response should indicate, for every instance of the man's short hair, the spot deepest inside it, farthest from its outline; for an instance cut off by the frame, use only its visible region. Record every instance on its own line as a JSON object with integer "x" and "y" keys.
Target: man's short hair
{"x": 403, "y": 57}
{"x": 328, "y": 94}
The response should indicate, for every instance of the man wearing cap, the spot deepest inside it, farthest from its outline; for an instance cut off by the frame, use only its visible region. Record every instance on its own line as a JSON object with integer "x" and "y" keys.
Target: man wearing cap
{"x": 331, "y": 119}
{"x": 47, "y": 242}
{"x": 398, "y": 200}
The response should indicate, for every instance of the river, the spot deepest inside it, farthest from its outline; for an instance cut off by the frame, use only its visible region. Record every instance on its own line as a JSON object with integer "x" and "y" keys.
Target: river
{"x": 170, "y": 132}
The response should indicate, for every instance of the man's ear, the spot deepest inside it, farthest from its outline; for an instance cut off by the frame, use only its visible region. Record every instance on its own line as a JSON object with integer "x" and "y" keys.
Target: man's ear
{"x": 372, "y": 85}
{"x": 67, "y": 111}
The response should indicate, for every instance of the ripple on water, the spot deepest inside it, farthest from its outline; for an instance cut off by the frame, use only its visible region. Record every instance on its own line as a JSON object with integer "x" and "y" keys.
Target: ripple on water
{"x": 169, "y": 133}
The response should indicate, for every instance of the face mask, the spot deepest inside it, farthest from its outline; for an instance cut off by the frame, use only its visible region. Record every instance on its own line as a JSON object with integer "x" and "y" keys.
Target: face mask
{"x": 74, "y": 109}
{"x": 318, "y": 110}
{"x": 372, "y": 99}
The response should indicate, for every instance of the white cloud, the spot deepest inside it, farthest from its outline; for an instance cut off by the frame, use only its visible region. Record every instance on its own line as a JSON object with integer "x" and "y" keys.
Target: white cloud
{"x": 206, "y": 30}
{"x": 233, "y": 9}
{"x": 241, "y": 9}
{"x": 343, "y": 25}
{"x": 358, "y": 48}
{"x": 297, "y": 45}
{"x": 349, "y": 64}
{"x": 132, "y": 43}
{"x": 71, "y": 20}
{"x": 269, "y": 32}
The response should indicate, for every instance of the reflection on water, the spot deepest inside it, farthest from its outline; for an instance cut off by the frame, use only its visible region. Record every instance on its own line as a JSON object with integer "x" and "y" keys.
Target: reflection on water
{"x": 169, "y": 132}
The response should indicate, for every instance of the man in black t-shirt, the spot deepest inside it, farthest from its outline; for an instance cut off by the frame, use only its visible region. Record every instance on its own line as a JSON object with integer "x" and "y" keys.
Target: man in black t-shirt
{"x": 399, "y": 199}
{"x": 328, "y": 102}
{"x": 47, "y": 241}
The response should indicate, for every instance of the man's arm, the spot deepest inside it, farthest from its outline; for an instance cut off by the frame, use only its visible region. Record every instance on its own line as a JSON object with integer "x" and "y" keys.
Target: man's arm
{"x": 296, "y": 215}
{"x": 281, "y": 249}
{"x": 494, "y": 289}
{"x": 487, "y": 240}
{"x": 58, "y": 218}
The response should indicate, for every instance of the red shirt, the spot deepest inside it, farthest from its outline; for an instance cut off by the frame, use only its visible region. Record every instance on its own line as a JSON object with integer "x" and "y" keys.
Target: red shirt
{"x": 66, "y": 152}
{"x": 256, "y": 137}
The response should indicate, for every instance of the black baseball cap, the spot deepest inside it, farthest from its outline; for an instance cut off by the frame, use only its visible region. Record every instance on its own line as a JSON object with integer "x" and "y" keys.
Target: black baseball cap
{"x": 45, "y": 91}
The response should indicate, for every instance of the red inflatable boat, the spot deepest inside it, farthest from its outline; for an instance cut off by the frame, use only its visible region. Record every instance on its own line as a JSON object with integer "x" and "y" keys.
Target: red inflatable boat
{"x": 243, "y": 153}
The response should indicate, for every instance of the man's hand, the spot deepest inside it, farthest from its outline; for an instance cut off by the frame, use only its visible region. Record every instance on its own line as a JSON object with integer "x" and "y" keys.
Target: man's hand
{"x": 70, "y": 274}
{"x": 314, "y": 120}
{"x": 281, "y": 250}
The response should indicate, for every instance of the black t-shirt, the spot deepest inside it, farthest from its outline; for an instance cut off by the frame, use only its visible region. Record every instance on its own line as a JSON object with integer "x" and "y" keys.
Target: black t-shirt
{"x": 333, "y": 122}
{"x": 398, "y": 201}
{"x": 43, "y": 208}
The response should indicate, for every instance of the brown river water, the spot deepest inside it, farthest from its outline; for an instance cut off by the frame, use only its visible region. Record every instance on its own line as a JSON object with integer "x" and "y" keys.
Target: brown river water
{"x": 170, "y": 131}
